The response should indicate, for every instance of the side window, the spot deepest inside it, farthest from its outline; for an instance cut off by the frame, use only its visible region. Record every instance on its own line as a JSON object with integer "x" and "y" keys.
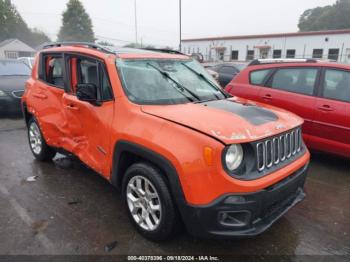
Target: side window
{"x": 296, "y": 80}
{"x": 337, "y": 85}
{"x": 53, "y": 70}
{"x": 91, "y": 71}
{"x": 258, "y": 77}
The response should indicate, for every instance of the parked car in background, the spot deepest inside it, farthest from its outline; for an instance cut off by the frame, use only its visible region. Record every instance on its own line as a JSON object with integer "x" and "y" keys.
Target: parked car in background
{"x": 13, "y": 75}
{"x": 28, "y": 61}
{"x": 227, "y": 71}
{"x": 156, "y": 126}
{"x": 214, "y": 74}
{"x": 317, "y": 91}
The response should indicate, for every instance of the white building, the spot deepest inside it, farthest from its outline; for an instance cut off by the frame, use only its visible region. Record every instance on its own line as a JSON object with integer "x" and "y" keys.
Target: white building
{"x": 333, "y": 45}
{"x": 14, "y": 48}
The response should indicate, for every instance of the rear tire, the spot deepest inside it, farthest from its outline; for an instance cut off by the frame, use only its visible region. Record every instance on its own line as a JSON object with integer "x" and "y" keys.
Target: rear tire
{"x": 37, "y": 144}
{"x": 149, "y": 204}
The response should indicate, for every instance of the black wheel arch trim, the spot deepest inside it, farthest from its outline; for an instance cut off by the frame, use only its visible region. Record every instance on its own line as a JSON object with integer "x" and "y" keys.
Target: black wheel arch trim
{"x": 155, "y": 158}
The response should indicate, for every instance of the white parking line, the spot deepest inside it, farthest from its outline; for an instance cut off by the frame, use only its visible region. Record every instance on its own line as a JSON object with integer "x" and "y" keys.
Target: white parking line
{"x": 22, "y": 213}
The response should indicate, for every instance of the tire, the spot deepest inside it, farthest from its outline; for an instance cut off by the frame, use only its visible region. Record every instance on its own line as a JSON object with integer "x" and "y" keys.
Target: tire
{"x": 168, "y": 217}
{"x": 37, "y": 144}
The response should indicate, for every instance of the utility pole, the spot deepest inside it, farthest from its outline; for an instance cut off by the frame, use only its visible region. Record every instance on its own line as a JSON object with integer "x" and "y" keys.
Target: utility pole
{"x": 180, "y": 24}
{"x": 135, "y": 23}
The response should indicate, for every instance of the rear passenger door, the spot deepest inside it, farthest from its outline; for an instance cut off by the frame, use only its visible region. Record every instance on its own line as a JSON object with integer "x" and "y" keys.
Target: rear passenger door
{"x": 293, "y": 89}
{"x": 89, "y": 124}
{"x": 47, "y": 97}
{"x": 332, "y": 119}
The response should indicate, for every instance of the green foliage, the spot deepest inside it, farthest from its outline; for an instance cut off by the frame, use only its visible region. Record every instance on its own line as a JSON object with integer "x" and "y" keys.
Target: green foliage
{"x": 330, "y": 17}
{"x": 13, "y": 26}
{"x": 76, "y": 24}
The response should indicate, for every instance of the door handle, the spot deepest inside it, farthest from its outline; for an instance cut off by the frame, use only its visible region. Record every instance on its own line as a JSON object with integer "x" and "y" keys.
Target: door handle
{"x": 267, "y": 97}
{"x": 72, "y": 107}
{"x": 41, "y": 96}
{"x": 326, "y": 108}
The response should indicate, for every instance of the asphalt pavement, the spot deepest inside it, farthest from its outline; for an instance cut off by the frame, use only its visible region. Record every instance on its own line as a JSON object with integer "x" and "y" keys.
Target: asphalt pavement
{"x": 63, "y": 208}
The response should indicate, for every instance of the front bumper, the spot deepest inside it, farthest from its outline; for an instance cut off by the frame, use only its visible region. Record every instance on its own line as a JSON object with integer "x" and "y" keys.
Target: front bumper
{"x": 246, "y": 215}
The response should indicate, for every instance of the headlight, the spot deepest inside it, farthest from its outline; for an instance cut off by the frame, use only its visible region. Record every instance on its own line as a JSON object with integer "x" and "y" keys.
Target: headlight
{"x": 2, "y": 93}
{"x": 233, "y": 157}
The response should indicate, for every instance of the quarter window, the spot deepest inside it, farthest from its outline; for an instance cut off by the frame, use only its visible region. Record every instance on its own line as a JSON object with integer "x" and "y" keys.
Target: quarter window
{"x": 258, "y": 77}
{"x": 337, "y": 85}
{"x": 296, "y": 80}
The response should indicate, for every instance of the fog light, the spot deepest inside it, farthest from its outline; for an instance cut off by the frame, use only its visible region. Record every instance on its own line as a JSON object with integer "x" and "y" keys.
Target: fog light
{"x": 233, "y": 218}
{"x": 234, "y": 200}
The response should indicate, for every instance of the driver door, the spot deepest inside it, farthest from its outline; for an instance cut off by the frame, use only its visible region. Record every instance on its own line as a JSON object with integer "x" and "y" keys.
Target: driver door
{"x": 89, "y": 124}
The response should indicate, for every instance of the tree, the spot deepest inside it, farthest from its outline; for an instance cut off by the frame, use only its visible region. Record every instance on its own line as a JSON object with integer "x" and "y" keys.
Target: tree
{"x": 76, "y": 24}
{"x": 330, "y": 17}
{"x": 13, "y": 26}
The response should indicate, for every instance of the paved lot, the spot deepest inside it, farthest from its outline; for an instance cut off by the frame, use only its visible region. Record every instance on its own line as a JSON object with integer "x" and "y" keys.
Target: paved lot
{"x": 71, "y": 210}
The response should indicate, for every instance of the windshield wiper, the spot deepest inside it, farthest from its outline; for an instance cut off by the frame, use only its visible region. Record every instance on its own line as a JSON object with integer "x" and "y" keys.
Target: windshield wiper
{"x": 207, "y": 80}
{"x": 179, "y": 85}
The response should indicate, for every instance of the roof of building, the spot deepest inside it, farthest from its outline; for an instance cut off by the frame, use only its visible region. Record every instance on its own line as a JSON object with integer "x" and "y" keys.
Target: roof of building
{"x": 311, "y": 33}
{"x": 24, "y": 46}
{"x": 6, "y": 42}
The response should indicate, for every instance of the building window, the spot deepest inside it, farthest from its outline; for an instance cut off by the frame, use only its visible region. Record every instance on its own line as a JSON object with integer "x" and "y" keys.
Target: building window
{"x": 277, "y": 53}
{"x": 11, "y": 54}
{"x": 290, "y": 53}
{"x": 221, "y": 55}
{"x": 317, "y": 53}
{"x": 250, "y": 55}
{"x": 333, "y": 54}
{"x": 234, "y": 55}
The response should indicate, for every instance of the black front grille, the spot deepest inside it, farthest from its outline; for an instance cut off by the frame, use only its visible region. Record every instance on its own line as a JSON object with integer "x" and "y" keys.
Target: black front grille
{"x": 278, "y": 149}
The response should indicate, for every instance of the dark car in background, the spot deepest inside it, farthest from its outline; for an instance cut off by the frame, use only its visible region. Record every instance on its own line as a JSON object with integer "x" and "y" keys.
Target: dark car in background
{"x": 227, "y": 71}
{"x": 13, "y": 75}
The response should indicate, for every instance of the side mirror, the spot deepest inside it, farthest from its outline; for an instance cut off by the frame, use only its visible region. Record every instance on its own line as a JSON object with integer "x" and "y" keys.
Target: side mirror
{"x": 87, "y": 92}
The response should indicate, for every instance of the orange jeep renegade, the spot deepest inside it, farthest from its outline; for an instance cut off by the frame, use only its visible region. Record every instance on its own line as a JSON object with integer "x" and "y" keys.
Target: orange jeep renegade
{"x": 157, "y": 126}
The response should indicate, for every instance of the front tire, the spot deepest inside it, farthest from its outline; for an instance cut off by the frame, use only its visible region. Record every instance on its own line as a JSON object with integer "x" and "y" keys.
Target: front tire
{"x": 37, "y": 144}
{"x": 149, "y": 203}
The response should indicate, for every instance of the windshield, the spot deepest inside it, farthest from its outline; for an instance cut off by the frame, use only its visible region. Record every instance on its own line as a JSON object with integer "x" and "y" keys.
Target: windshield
{"x": 159, "y": 81}
{"x": 10, "y": 68}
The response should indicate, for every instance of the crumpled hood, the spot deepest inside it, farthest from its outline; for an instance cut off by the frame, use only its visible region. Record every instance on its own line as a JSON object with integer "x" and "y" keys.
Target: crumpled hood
{"x": 233, "y": 120}
{"x": 12, "y": 83}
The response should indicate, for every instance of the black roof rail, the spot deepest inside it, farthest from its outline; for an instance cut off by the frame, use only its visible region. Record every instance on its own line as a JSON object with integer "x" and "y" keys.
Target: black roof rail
{"x": 162, "y": 50}
{"x": 280, "y": 61}
{"x": 85, "y": 44}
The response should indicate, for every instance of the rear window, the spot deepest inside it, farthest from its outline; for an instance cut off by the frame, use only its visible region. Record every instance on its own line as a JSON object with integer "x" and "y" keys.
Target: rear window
{"x": 258, "y": 77}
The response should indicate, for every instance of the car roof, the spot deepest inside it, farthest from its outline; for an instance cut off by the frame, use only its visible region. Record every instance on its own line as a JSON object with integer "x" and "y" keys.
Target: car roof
{"x": 300, "y": 64}
{"x": 122, "y": 52}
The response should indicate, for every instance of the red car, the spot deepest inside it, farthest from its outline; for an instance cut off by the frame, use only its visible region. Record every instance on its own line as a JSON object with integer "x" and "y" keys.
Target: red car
{"x": 317, "y": 91}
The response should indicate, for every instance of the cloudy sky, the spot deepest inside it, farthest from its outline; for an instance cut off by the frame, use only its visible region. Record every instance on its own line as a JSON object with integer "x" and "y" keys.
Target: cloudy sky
{"x": 158, "y": 20}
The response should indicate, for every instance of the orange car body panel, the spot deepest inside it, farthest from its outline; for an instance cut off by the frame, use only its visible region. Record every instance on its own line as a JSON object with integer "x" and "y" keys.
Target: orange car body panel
{"x": 91, "y": 132}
